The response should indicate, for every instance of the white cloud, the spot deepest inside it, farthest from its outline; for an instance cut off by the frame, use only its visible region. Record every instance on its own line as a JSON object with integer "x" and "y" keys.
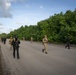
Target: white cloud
{"x": 41, "y": 7}
{"x": 1, "y": 24}
{"x": 4, "y": 29}
{"x": 16, "y": 0}
{"x": 7, "y": 4}
{"x": 1, "y": 27}
{"x": 27, "y": 5}
{"x": 18, "y": 23}
{"x": 5, "y": 8}
{"x": 9, "y": 30}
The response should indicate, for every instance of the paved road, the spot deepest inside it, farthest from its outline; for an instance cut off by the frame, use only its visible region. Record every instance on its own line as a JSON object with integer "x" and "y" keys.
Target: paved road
{"x": 58, "y": 61}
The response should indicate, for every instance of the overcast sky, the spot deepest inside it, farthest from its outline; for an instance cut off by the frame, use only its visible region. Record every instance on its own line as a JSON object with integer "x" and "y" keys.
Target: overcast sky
{"x": 15, "y": 13}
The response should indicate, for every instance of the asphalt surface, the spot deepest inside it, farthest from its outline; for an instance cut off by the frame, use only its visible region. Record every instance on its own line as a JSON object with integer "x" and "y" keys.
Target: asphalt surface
{"x": 58, "y": 61}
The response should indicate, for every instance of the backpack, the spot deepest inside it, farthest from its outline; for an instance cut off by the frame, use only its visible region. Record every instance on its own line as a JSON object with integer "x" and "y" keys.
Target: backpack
{"x": 17, "y": 44}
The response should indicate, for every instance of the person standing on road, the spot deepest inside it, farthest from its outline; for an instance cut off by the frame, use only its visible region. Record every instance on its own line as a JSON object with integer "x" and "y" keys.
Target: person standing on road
{"x": 45, "y": 40}
{"x": 15, "y": 44}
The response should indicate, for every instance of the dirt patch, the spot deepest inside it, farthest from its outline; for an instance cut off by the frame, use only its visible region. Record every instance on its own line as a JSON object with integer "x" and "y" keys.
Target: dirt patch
{"x": 1, "y": 68}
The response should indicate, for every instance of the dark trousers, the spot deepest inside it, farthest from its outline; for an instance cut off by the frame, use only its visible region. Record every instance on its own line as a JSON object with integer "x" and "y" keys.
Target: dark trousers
{"x": 4, "y": 42}
{"x": 14, "y": 50}
{"x": 68, "y": 45}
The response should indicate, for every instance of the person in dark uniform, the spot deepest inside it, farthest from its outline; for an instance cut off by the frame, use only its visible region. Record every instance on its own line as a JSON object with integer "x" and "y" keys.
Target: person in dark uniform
{"x": 67, "y": 42}
{"x": 4, "y": 40}
{"x": 15, "y": 44}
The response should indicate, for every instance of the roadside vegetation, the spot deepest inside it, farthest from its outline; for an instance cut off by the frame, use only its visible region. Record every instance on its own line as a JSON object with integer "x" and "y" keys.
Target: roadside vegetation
{"x": 56, "y": 27}
{"x": 1, "y": 68}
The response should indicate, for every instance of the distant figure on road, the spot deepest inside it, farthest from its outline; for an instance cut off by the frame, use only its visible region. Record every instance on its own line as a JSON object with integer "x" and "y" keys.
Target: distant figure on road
{"x": 31, "y": 39}
{"x": 67, "y": 42}
{"x": 15, "y": 44}
{"x": 10, "y": 42}
{"x": 23, "y": 38}
{"x": 4, "y": 40}
{"x": 45, "y": 40}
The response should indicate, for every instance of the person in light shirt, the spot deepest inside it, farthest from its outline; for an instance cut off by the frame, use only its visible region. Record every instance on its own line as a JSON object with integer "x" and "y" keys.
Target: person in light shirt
{"x": 45, "y": 41}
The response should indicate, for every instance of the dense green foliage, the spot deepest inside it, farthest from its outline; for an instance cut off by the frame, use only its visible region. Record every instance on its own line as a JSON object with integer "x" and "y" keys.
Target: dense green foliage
{"x": 3, "y": 35}
{"x": 56, "y": 27}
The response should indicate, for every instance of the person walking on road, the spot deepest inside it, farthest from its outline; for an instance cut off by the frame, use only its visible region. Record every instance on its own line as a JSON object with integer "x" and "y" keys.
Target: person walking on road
{"x": 4, "y": 40}
{"x": 67, "y": 42}
{"x": 15, "y": 44}
{"x": 31, "y": 39}
{"x": 10, "y": 42}
{"x": 45, "y": 40}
